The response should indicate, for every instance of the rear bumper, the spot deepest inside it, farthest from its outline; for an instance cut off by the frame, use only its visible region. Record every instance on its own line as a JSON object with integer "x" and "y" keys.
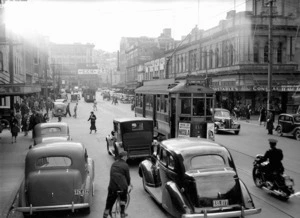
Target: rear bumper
{"x": 32, "y": 209}
{"x": 240, "y": 213}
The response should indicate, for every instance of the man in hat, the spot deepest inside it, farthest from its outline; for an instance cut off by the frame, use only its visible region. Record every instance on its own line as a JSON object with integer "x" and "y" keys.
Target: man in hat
{"x": 119, "y": 181}
{"x": 275, "y": 156}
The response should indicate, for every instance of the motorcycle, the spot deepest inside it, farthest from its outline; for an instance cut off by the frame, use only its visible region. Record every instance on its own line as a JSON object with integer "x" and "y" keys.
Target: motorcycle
{"x": 281, "y": 184}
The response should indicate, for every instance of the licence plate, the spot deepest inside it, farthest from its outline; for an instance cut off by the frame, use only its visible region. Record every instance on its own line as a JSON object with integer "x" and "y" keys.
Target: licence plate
{"x": 220, "y": 203}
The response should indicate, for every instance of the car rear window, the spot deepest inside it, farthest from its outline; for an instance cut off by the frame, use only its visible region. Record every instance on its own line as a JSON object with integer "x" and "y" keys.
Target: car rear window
{"x": 207, "y": 161}
{"x": 136, "y": 126}
{"x": 57, "y": 161}
{"x": 51, "y": 130}
{"x": 222, "y": 114}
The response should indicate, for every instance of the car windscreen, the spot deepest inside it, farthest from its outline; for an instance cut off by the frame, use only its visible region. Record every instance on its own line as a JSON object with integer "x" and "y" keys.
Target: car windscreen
{"x": 222, "y": 114}
{"x": 57, "y": 161}
{"x": 136, "y": 126}
{"x": 51, "y": 130}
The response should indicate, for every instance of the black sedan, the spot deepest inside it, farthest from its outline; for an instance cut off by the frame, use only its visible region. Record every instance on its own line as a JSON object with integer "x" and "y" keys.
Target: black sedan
{"x": 289, "y": 124}
{"x": 191, "y": 177}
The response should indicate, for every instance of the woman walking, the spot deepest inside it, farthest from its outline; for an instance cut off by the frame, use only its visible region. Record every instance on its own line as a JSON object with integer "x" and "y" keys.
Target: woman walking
{"x": 14, "y": 129}
{"x": 93, "y": 118}
{"x": 262, "y": 116}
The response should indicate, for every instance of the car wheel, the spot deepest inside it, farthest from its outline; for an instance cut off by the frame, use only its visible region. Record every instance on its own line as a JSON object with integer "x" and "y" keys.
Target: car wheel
{"x": 236, "y": 132}
{"x": 297, "y": 135}
{"x": 279, "y": 130}
{"x": 256, "y": 178}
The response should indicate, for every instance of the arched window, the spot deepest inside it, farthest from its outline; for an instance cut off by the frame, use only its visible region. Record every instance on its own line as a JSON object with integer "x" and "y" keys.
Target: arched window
{"x": 256, "y": 53}
{"x": 225, "y": 56}
{"x": 216, "y": 57}
{"x": 279, "y": 53}
{"x": 210, "y": 58}
{"x": 266, "y": 53}
{"x": 231, "y": 55}
{"x": 1, "y": 61}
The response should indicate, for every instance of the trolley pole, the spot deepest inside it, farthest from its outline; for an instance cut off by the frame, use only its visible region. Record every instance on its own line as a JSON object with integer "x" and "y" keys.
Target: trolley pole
{"x": 270, "y": 65}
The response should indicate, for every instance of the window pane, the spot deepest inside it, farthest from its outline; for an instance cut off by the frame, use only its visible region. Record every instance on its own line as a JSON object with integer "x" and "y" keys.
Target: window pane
{"x": 53, "y": 162}
{"x": 186, "y": 106}
{"x": 198, "y": 106}
{"x": 206, "y": 161}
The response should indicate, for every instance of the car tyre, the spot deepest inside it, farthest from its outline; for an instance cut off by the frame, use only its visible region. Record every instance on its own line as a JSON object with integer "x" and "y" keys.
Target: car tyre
{"x": 297, "y": 135}
{"x": 236, "y": 132}
{"x": 256, "y": 178}
{"x": 279, "y": 130}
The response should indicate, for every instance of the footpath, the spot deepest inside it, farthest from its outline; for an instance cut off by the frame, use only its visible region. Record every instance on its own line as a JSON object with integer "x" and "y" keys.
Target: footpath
{"x": 12, "y": 160}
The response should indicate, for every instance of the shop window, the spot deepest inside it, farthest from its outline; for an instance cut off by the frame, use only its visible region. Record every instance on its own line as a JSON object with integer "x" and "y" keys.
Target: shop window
{"x": 279, "y": 53}
{"x": 266, "y": 53}
{"x": 256, "y": 54}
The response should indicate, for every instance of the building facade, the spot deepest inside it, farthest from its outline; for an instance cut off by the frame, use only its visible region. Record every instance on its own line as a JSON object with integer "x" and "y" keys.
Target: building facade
{"x": 234, "y": 56}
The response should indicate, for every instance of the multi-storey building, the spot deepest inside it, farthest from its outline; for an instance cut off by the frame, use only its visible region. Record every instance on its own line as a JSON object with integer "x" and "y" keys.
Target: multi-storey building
{"x": 67, "y": 63}
{"x": 134, "y": 51}
{"x": 234, "y": 56}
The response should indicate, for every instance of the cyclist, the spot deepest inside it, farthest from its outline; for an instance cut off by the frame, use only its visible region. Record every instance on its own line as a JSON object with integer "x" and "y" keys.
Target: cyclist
{"x": 119, "y": 181}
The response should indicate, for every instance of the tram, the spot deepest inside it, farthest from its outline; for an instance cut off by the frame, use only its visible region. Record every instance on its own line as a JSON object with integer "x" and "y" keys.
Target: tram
{"x": 179, "y": 108}
{"x": 89, "y": 94}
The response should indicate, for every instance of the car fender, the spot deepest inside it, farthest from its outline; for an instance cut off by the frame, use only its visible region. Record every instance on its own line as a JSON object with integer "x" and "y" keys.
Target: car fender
{"x": 87, "y": 197}
{"x": 22, "y": 195}
{"x": 175, "y": 201}
{"x": 295, "y": 130}
{"x": 248, "y": 201}
{"x": 91, "y": 168}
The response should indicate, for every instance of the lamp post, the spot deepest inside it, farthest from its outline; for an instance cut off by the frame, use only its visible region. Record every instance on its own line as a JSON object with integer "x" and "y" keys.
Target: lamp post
{"x": 270, "y": 51}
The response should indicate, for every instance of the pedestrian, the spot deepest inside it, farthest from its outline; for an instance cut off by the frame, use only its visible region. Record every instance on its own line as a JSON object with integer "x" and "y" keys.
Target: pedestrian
{"x": 270, "y": 121}
{"x": 18, "y": 117}
{"x": 93, "y": 118}
{"x": 14, "y": 129}
{"x": 262, "y": 116}
{"x": 95, "y": 105}
{"x": 35, "y": 119}
{"x": 25, "y": 124}
{"x": 75, "y": 110}
{"x": 248, "y": 113}
{"x": 17, "y": 107}
{"x": 68, "y": 110}
{"x": 119, "y": 181}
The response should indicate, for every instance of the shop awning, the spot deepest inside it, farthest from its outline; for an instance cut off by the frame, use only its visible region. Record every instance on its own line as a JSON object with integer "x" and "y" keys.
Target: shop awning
{"x": 19, "y": 89}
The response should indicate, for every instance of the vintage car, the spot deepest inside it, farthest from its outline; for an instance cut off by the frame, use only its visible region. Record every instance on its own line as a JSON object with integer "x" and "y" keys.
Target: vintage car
{"x": 134, "y": 135}
{"x": 224, "y": 122}
{"x": 289, "y": 124}
{"x": 193, "y": 177}
{"x": 47, "y": 132}
{"x": 58, "y": 176}
{"x": 60, "y": 108}
{"x": 75, "y": 97}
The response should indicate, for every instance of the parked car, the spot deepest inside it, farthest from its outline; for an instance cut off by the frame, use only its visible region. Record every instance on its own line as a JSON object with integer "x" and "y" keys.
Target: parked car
{"x": 289, "y": 124}
{"x": 58, "y": 176}
{"x": 46, "y": 132}
{"x": 193, "y": 177}
{"x": 134, "y": 135}
{"x": 60, "y": 108}
{"x": 224, "y": 122}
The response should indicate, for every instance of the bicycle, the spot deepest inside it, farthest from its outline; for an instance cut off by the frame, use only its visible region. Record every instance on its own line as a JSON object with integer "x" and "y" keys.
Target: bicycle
{"x": 116, "y": 212}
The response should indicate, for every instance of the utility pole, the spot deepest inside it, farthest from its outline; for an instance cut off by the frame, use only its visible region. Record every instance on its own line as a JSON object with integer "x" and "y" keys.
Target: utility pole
{"x": 270, "y": 65}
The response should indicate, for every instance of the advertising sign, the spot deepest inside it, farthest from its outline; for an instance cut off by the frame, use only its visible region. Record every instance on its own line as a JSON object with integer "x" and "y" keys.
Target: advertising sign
{"x": 184, "y": 130}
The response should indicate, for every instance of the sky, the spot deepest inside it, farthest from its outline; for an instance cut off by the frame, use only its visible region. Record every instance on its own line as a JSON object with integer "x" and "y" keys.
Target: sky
{"x": 104, "y": 22}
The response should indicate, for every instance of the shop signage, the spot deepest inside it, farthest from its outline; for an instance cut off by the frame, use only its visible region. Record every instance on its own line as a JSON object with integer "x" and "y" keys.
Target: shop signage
{"x": 184, "y": 130}
{"x": 88, "y": 71}
{"x": 19, "y": 89}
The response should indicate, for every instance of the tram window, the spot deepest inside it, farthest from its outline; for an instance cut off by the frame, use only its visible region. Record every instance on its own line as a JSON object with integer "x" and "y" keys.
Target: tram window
{"x": 186, "y": 106}
{"x": 198, "y": 106}
{"x": 149, "y": 101}
{"x": 166, "y": 103}
{"x": 209, "y": 105}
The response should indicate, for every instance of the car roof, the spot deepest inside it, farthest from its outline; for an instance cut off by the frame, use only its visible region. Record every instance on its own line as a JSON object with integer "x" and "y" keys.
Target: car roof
{"x": 292, "y": 115}
{"x": 52, "y": 124}
{"x": 131, "y": 119}
{"x": 69, "y": 148}
{"x": 189, "y": 146}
